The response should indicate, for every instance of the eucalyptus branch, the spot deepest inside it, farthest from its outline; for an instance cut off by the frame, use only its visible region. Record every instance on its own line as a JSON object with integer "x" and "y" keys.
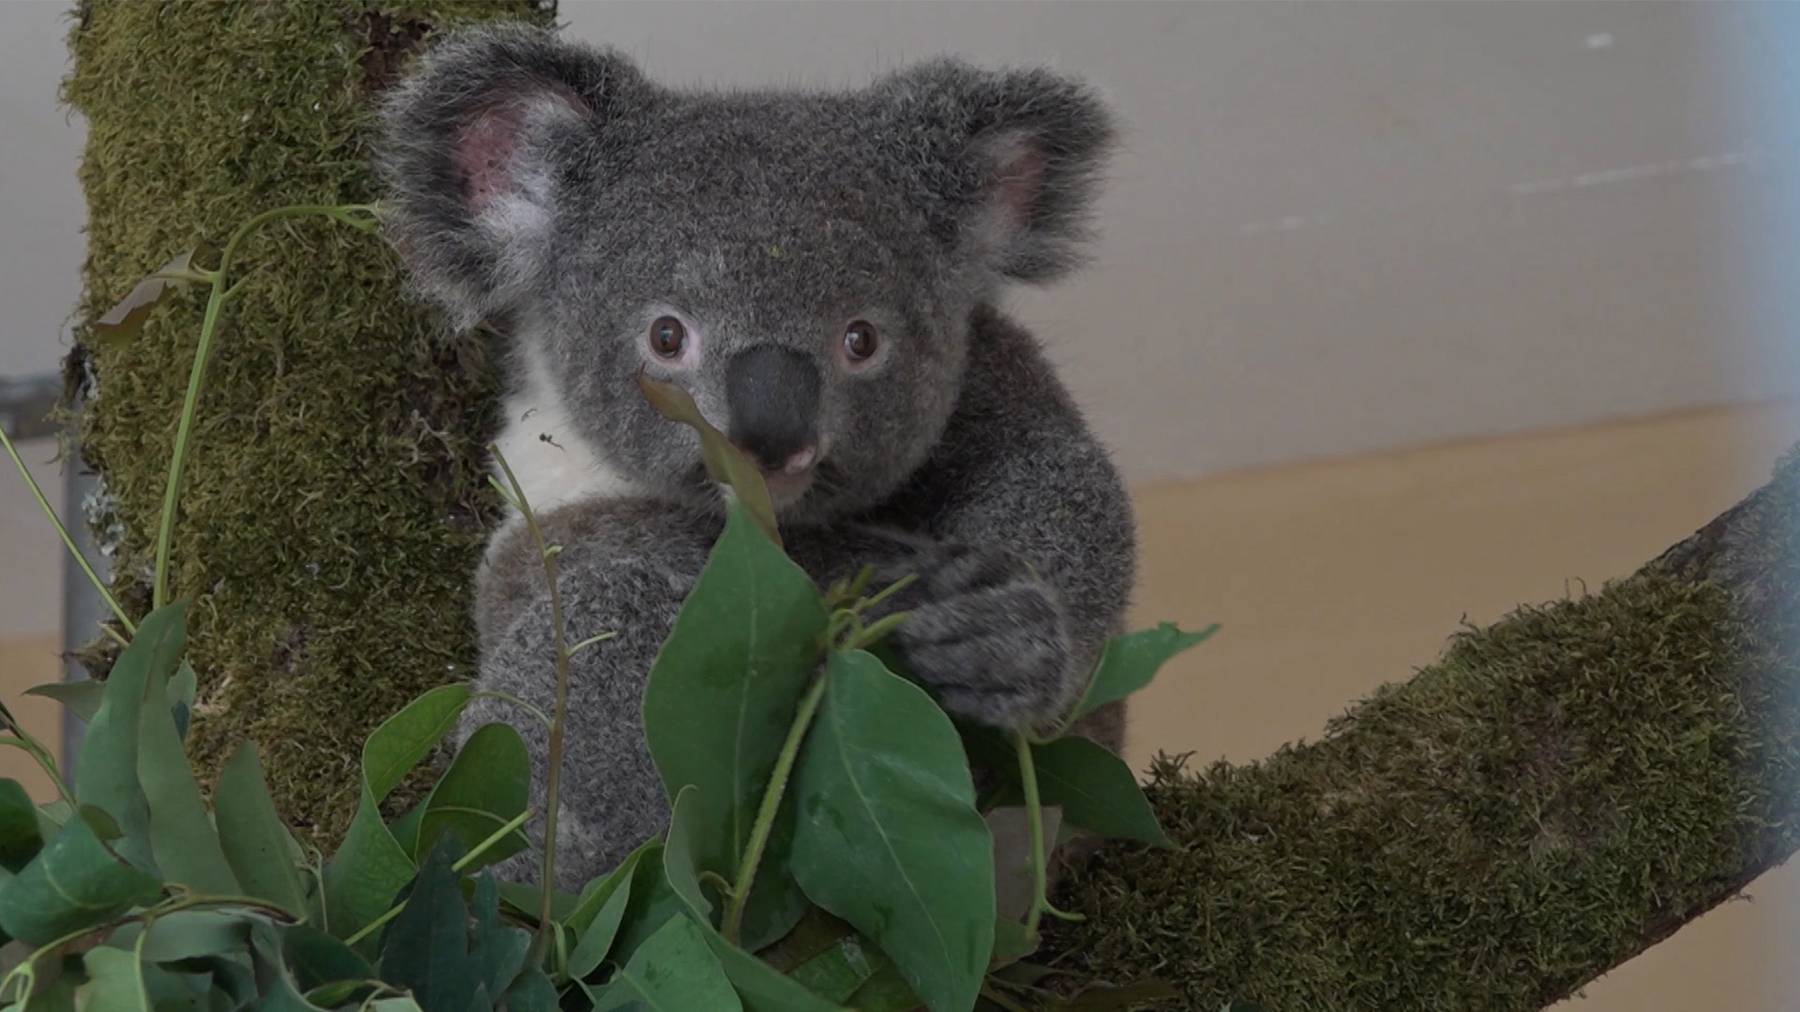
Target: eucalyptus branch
{"x": 1034, "y": 817}
{"x": 771, "y": 802}
{"x": 359, "y": 216}
{"x": 37, "y": 493}
{"x": 559, "y": 716}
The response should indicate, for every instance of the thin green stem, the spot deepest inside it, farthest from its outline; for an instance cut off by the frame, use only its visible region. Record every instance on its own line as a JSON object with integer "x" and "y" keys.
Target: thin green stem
{"x": 590, "y": 641}
{"x": 41, "y": 755}
{"x": 349, "y": 214}
{"x": 559, "y": 716}
{"x": 771, "y": 802}
{"x": 512, "y": 826}
{"x": 63, "y": 532}
{"x": 507, "y": 697}
{"x": 1034, "y": 817}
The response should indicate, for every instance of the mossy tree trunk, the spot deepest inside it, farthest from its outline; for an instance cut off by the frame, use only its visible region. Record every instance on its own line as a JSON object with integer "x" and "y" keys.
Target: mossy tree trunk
{"x": 1559, "y": 792}
{"x": 334, "y": 505}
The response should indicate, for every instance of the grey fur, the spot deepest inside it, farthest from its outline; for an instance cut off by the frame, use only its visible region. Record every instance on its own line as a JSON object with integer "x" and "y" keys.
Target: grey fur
{"x": 550, "y": 187}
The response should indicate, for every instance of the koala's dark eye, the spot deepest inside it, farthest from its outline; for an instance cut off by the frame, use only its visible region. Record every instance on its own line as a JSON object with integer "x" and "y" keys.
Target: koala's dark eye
{"x": 860, "y": 341}
{"x": 667, "y": 335}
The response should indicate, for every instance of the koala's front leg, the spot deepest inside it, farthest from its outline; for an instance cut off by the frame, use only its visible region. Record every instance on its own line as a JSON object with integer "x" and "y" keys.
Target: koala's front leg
{"x": 624, "y": 568}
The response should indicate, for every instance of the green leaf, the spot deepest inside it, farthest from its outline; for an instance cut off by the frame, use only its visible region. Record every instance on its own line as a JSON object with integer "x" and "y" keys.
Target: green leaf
{"x": 115, "y": 982}
{"x": 256, "y": 843}
{"x": 106, "y": 775}
{"x": 673, "y": 971}
{"x": 1129, "y": 663}
{"x": 81, "y": 698}
{"x": 370, "y": 865}
{"x": 122, "y": 322}
{"x": 601, "y": 911}
{"x": 760, "y": 987}
{"x": 486, "y": 786}
{"x": 318, "y": 959}
{"x": 182, "y": 836}
{"x": 653, "y": 904}
{"x": 1011, "y": 942}
{"x": 182, "y": 688}
{"x": 426, "y": 948}
{"x": 724, "y": 462}
{"x": 21, "y": 837}
{"x": 888, "y": 836}
{"x": 192, "y": 934}
{"x": 1095, "y": 790}
{"x": 721, "y": 697}
{"x": 496, "y": 948}
{"x": 75, "y": 882}
{"x": 885, "y": 991}
{"x": 583, "y": 909}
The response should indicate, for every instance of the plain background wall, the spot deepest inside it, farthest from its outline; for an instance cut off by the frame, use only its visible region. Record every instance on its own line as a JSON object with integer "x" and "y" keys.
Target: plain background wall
{"x": 1332, "y": 229}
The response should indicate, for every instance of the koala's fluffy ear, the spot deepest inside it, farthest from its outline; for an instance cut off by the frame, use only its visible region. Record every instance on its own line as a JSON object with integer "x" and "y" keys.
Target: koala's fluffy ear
{"x": 1011, "y": 158}
{"x": 478, "y": 145}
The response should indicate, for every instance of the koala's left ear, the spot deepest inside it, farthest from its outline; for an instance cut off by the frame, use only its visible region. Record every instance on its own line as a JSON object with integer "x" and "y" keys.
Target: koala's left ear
{"x": 1012, "y": 159}
{"x": 480, "y": 148}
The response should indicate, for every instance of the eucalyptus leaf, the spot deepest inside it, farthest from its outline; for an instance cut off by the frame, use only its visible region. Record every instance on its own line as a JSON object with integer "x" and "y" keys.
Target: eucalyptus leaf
{"x": 75, "y": 882}
{"x": 81, "y": 698}
{"x": 106, "y": 775}
{"x": 256, "y": 842}
{"x": 426, "y": 948}
{"x": 115, "y": 982}
{"x": 1129, "y": 662}
{"x": 497, "y": 949}
{"x": 317, "y": 958}
{"x": 721, "y": 698}
{"x": 674, "y": 970}
{"x": 21, "y": 837}
{"x": 182, "y": 837}
{"x": 760, "y": 986}
{"x": 652, "y": 905}
{"x": 888, "y": 837}
{"x": 370, "y": 865}
{"x": 1095, "y": 790}
{"x": 595, "y": 932}
{"x": 724, "y": 462}
{"x": 123, "y": 321}
{"x": 486, "y": 786}
{"x": 182, "y": 688}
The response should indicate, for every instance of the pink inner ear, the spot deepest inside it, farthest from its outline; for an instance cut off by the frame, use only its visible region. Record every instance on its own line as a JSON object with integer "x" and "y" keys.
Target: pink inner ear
{"x": 1021, "y": 179}
{"x": 483, "y": 152}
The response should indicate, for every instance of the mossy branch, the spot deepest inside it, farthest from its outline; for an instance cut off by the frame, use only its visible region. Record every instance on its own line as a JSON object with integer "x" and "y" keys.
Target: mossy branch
{"x": 1560, "y": 791}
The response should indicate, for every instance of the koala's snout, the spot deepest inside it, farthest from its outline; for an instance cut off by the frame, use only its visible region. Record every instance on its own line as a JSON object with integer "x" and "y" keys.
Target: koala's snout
{"x": 772, "y": 393}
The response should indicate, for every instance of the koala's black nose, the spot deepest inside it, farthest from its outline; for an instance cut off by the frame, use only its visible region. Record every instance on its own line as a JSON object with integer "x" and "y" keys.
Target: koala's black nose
{"x": 773, "y": 395}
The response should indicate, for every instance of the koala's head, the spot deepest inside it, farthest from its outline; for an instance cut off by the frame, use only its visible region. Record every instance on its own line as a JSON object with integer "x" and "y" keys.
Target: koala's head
{"x": 805, "y": 265}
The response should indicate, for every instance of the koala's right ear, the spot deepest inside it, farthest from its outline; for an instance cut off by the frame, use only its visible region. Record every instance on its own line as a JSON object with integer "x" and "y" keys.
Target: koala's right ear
{"x": 480, "y": 143}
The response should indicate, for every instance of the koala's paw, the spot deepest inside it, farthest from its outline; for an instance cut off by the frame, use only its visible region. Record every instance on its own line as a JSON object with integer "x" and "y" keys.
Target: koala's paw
{"x": 987, "y": 636}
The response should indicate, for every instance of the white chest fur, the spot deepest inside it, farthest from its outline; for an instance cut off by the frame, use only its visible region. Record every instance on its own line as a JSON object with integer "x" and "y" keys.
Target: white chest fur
{"x": 544, "y": 448}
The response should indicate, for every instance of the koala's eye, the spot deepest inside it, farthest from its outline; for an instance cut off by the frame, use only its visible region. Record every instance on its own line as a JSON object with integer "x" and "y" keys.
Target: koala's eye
{"x": 667, "y": 336}
{"x": 860, "y": 341}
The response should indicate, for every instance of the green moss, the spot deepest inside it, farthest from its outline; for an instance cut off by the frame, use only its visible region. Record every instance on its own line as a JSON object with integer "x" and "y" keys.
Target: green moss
{"x": 334, "y": 506}
{"x": 1558, "y": 792}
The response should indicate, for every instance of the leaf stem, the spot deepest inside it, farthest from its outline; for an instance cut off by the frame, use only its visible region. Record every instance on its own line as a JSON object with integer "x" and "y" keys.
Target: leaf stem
{"x": 771, "y": 802}
{"x": 355, "y": 215}
{"x": 1034, "y": 817}
{"x": 63, "y": 532}
{"x": 559, "y": 715}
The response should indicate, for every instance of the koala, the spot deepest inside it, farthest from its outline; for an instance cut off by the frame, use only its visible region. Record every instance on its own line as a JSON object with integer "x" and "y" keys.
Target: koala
{"x": 821, "y": 272}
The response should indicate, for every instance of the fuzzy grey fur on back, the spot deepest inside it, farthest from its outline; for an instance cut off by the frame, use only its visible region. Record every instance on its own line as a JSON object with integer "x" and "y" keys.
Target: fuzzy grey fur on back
{"x": 550, "y": 188}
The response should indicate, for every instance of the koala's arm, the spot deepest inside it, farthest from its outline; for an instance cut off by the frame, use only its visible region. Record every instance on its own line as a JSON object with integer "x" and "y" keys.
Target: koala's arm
{"x": 625, "y": 567}
{"x": 1021, "y": 534}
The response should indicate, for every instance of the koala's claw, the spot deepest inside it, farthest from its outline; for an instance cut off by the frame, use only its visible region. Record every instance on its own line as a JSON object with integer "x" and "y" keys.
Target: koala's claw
{"x": 987, "y": 635}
